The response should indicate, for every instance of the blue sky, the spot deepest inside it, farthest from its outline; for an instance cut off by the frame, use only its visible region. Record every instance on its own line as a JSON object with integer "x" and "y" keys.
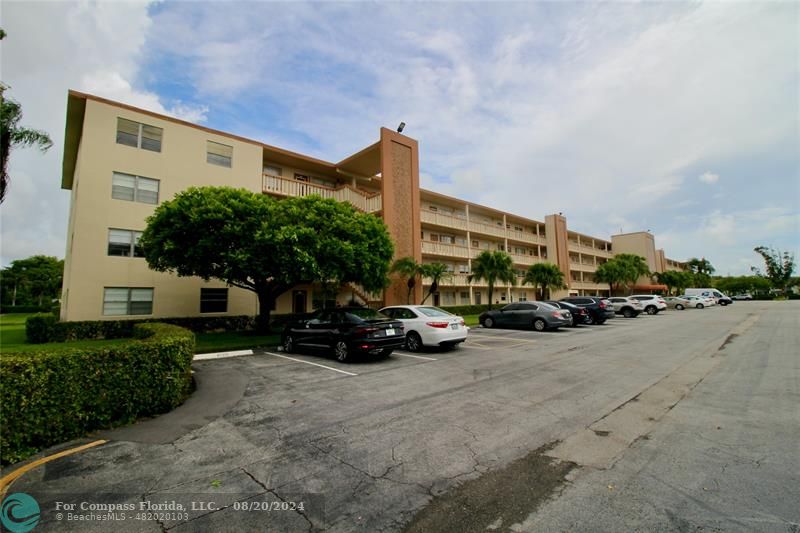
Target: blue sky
{"x": 680, "y": 118}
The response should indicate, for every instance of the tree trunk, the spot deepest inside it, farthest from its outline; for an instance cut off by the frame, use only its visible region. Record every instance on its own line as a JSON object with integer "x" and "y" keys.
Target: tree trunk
{"x": 14, "y": 295}
{"x": 491, "y": 292}
{"x": 265, "y": 302}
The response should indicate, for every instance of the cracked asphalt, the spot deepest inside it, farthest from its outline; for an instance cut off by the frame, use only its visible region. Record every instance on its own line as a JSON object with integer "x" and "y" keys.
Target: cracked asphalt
{"x": 609, "y": 427}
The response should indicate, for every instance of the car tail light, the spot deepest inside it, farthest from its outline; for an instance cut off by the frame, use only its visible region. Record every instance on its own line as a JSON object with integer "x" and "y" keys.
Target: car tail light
{"x": 461, "y": 322}
{"x": 602, "y": 304}
{"x": 440, "y": 325}
{"x": 581, "y": 311}
{"x": 557, "y": 314}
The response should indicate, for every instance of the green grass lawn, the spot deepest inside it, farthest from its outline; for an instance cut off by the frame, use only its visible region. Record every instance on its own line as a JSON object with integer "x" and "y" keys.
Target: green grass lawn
{"x": 12, "y": 339}
{"x": 471, "y": 320}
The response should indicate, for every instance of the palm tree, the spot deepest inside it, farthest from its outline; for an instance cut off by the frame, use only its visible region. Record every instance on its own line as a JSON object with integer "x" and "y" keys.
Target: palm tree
{"x": 633, "y": 268}
{"x": 492, "y": 267}
{"x": 436, "y": 272}
{"x": 701, "y": 270}
{"x": 12, "y": 135}
{"x": 609, "y": 272}
{"x": 408, "y": 268}
{"x": 545, "y": 275}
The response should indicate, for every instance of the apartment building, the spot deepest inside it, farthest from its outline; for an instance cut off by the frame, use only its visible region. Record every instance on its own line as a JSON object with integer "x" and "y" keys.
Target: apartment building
{"x": 120, "y": 162}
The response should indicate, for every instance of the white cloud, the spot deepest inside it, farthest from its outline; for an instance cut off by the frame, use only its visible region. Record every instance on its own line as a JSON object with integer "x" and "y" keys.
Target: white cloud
{"x": 708, "y": 177}
{"x": 50, "y": 48}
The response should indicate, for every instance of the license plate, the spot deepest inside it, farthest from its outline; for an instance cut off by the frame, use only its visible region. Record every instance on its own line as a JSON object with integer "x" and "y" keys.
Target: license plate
{"x": 453, "y": 326}
{"x": 389, "y": 332}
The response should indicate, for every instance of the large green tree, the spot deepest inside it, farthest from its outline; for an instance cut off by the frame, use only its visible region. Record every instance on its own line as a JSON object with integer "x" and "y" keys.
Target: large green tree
{"x": 493, "y": 267}
{"x": 545, "y": 275}
{"x": 407, "y": 268}
{"x": 732, "y": 285}
{"x": 779, "y": 267}
{"x": 35, "y": 280}
{"x": 622, "y": 269}
{"x": 12, "y": 135}
{"x": 436, "y": 272}
{"x": 264, "y": 245}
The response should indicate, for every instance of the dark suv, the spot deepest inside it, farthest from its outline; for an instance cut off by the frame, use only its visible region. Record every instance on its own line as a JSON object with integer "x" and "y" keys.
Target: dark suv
{"x": 599, "y": 309}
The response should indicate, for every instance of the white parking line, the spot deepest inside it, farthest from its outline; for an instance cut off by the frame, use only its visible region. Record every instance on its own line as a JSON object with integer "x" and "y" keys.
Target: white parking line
{"x": 415, "y": 356}
{"x": 310, "y": 363}
{"x": 221, "y": 355}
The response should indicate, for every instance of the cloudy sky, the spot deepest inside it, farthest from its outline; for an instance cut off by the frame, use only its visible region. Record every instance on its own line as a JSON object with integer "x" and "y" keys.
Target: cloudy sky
{"x": 679, "y": 118}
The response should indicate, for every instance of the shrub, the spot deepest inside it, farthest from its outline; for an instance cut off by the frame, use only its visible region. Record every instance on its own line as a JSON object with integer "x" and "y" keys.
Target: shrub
{"x": 47, "y": 328}
{"x": 468, "y": 309}
{"x": 24, "y": 309}
{"x": 52, "y": 396}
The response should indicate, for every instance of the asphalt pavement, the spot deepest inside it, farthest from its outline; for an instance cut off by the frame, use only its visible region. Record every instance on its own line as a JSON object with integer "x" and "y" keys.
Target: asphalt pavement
{"x": 679, "y": 421}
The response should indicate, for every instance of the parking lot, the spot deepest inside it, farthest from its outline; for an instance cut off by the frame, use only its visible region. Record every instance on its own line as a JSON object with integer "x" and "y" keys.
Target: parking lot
{"x": 368, "y": 446}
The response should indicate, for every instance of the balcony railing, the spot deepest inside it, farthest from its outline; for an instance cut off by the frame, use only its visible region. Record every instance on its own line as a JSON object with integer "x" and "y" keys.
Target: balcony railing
{"x": 440, "y": 219}
{"x": 524, "y": 259}
{"x": 449, "y": 250}
{"x": 454, "y": 280}
{"x": 525, "y": 236}
{"x": 363, "y": 200}
{"x": 487, "y": 229}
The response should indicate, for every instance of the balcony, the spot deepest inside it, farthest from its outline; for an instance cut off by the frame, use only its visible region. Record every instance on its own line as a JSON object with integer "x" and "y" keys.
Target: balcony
{"x": 524, "y": 259}
{"x": 524, "y": 236}
{"x": 439, "y": 219}
{"x": 446, "y": 250}
{"x": 455, "y": 280}
{"x": 487, "y": 229}
{"x": 365, "y": 201}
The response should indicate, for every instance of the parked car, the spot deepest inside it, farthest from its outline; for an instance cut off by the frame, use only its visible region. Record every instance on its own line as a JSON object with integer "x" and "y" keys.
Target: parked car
{"x": 599, "y": 309}
{"x": 627, "y": 307}
{"x": 345, "y": 330}
{"x": 538, "y": 315}
{"x": 719, "y": 297}
{"x": 652, "y": 303}
{"x": 579, "y": 314}
{"x": 743, "y": 296}
{"x": 695, "y": 301}
{"x": 677, "y": 302}
{"x": 426, "y": 325}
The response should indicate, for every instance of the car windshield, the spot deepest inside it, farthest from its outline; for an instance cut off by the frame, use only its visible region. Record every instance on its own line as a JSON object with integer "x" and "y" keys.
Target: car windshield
{"x": 361, "y": 315}
{"x": 433, "y": 311}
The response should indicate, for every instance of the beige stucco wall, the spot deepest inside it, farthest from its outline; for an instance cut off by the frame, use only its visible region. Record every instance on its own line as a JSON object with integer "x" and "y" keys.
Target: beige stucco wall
{"x": 180, "y": 164}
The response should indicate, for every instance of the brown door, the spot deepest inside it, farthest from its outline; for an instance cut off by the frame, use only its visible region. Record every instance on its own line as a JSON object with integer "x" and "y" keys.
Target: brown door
{"x": 299, "y": 302}
{"x": 436, "y": 299}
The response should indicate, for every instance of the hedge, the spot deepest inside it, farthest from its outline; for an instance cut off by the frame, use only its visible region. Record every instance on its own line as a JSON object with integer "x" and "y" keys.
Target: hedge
{"x": 24, "y": 309}
{"x": 469, "y": 309}
{"x": 47, "y": 328}
{"x": 50, "y": 397}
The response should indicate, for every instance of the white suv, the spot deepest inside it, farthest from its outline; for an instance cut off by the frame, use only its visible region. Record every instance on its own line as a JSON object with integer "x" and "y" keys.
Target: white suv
{"x": 652, "y": 303}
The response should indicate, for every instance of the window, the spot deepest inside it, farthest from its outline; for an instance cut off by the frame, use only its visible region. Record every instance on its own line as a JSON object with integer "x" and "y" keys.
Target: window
{"x": 126, "y": 301}
{"x": 450, "y": 268}
{"x": 134, "y": 188}
{"x": 523, "y": 297}
{"x": 219, "y": 154}
{"x": 124, "y": 243}
{"x": 434, "y": 237}
{"x": 463, "y": 269}
{"x": 213, "y": 300}
{"x": 139, "y": 135}
{"x": 475, "y": 244}
{"x": 464, "y": 297}
{"x": 461, "y": 241}
{"x": 433, "y": 208}
{"x": 273, "y": 170}
{"x": 447, "y": 239}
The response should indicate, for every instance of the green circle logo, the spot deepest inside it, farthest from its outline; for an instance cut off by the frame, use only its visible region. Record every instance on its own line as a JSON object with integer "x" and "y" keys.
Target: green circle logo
{"x": 20, "y": 513}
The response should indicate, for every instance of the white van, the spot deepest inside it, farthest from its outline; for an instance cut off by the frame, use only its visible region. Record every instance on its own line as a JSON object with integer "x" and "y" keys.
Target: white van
{"x": 718, "y": 297}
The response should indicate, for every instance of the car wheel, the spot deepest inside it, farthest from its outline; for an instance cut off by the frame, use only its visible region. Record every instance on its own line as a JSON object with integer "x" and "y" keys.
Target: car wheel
{"x": 651, "y": 309}
{"x": 386, "y": 352}
{"x": 288, "y": 344}
{"x": 699, "y": 306}
{"x": 342, "y": 351}
{"x": 627, "y": 313}
{"x": 539, "y": 324}
{"x": 413, "y": 341}
{"x": 679, "y": 307}
{"x": 488, "y": 322}
{"x": 589, "y": 319}
{"x": 723, "y": 303}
